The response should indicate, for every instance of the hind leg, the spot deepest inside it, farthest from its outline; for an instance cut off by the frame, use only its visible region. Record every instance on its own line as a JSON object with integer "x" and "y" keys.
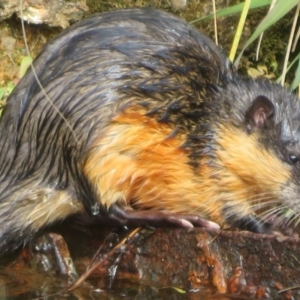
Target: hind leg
{"x": 29, "y": 207}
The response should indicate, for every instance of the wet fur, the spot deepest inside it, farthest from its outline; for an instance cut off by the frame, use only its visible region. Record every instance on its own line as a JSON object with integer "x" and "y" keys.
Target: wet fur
{"x": 158, "y": 122}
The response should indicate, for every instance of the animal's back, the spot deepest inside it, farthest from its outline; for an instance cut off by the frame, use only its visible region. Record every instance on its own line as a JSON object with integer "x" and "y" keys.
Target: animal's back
{"x": 108, "y": 76}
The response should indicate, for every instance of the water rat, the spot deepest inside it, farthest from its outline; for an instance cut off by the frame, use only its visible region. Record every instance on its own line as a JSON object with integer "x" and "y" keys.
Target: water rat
{"x": 146, "y": 121}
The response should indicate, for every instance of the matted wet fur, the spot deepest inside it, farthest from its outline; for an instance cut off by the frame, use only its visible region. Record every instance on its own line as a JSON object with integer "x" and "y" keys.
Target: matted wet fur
{"x": 156, "y": 120}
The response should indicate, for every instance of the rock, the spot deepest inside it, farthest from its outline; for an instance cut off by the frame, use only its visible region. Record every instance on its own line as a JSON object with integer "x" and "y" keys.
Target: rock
{"x": 53, "y": 13}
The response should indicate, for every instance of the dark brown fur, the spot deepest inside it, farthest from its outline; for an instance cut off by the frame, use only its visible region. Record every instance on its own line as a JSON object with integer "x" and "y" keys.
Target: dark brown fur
{"x": 159, "y": 121}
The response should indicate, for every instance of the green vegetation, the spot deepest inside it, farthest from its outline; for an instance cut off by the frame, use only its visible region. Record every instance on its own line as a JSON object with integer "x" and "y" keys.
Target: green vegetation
{"x": 276, "y": 12}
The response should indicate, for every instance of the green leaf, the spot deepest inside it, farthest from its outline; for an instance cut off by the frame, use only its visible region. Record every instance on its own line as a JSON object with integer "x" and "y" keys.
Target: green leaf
{"x": 2, "y": 92}
{"x": 296, "y": 80}
{"x": 25, "y": 63}
{"x": 290, "y": 65}
{"x": 235, "y": 9}
{"x": 10, "y": 87}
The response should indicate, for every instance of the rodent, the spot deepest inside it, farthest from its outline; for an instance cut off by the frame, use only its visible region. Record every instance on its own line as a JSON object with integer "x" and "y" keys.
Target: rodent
{"x": 155, "y": 119}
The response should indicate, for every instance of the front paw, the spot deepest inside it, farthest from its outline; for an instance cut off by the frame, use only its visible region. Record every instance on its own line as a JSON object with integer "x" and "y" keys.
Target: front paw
{"x": 126, "y": 216}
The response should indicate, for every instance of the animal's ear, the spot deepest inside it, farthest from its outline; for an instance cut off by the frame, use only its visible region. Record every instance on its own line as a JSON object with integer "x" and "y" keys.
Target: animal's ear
{"x": 261, "y": 110}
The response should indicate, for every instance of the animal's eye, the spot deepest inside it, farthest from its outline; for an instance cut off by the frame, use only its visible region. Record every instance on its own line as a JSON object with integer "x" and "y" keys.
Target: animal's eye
{"x": 293, "y": 158}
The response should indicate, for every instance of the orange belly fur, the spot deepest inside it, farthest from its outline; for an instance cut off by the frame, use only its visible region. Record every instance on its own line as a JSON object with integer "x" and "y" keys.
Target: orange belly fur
{"x": 139, "y": 162}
